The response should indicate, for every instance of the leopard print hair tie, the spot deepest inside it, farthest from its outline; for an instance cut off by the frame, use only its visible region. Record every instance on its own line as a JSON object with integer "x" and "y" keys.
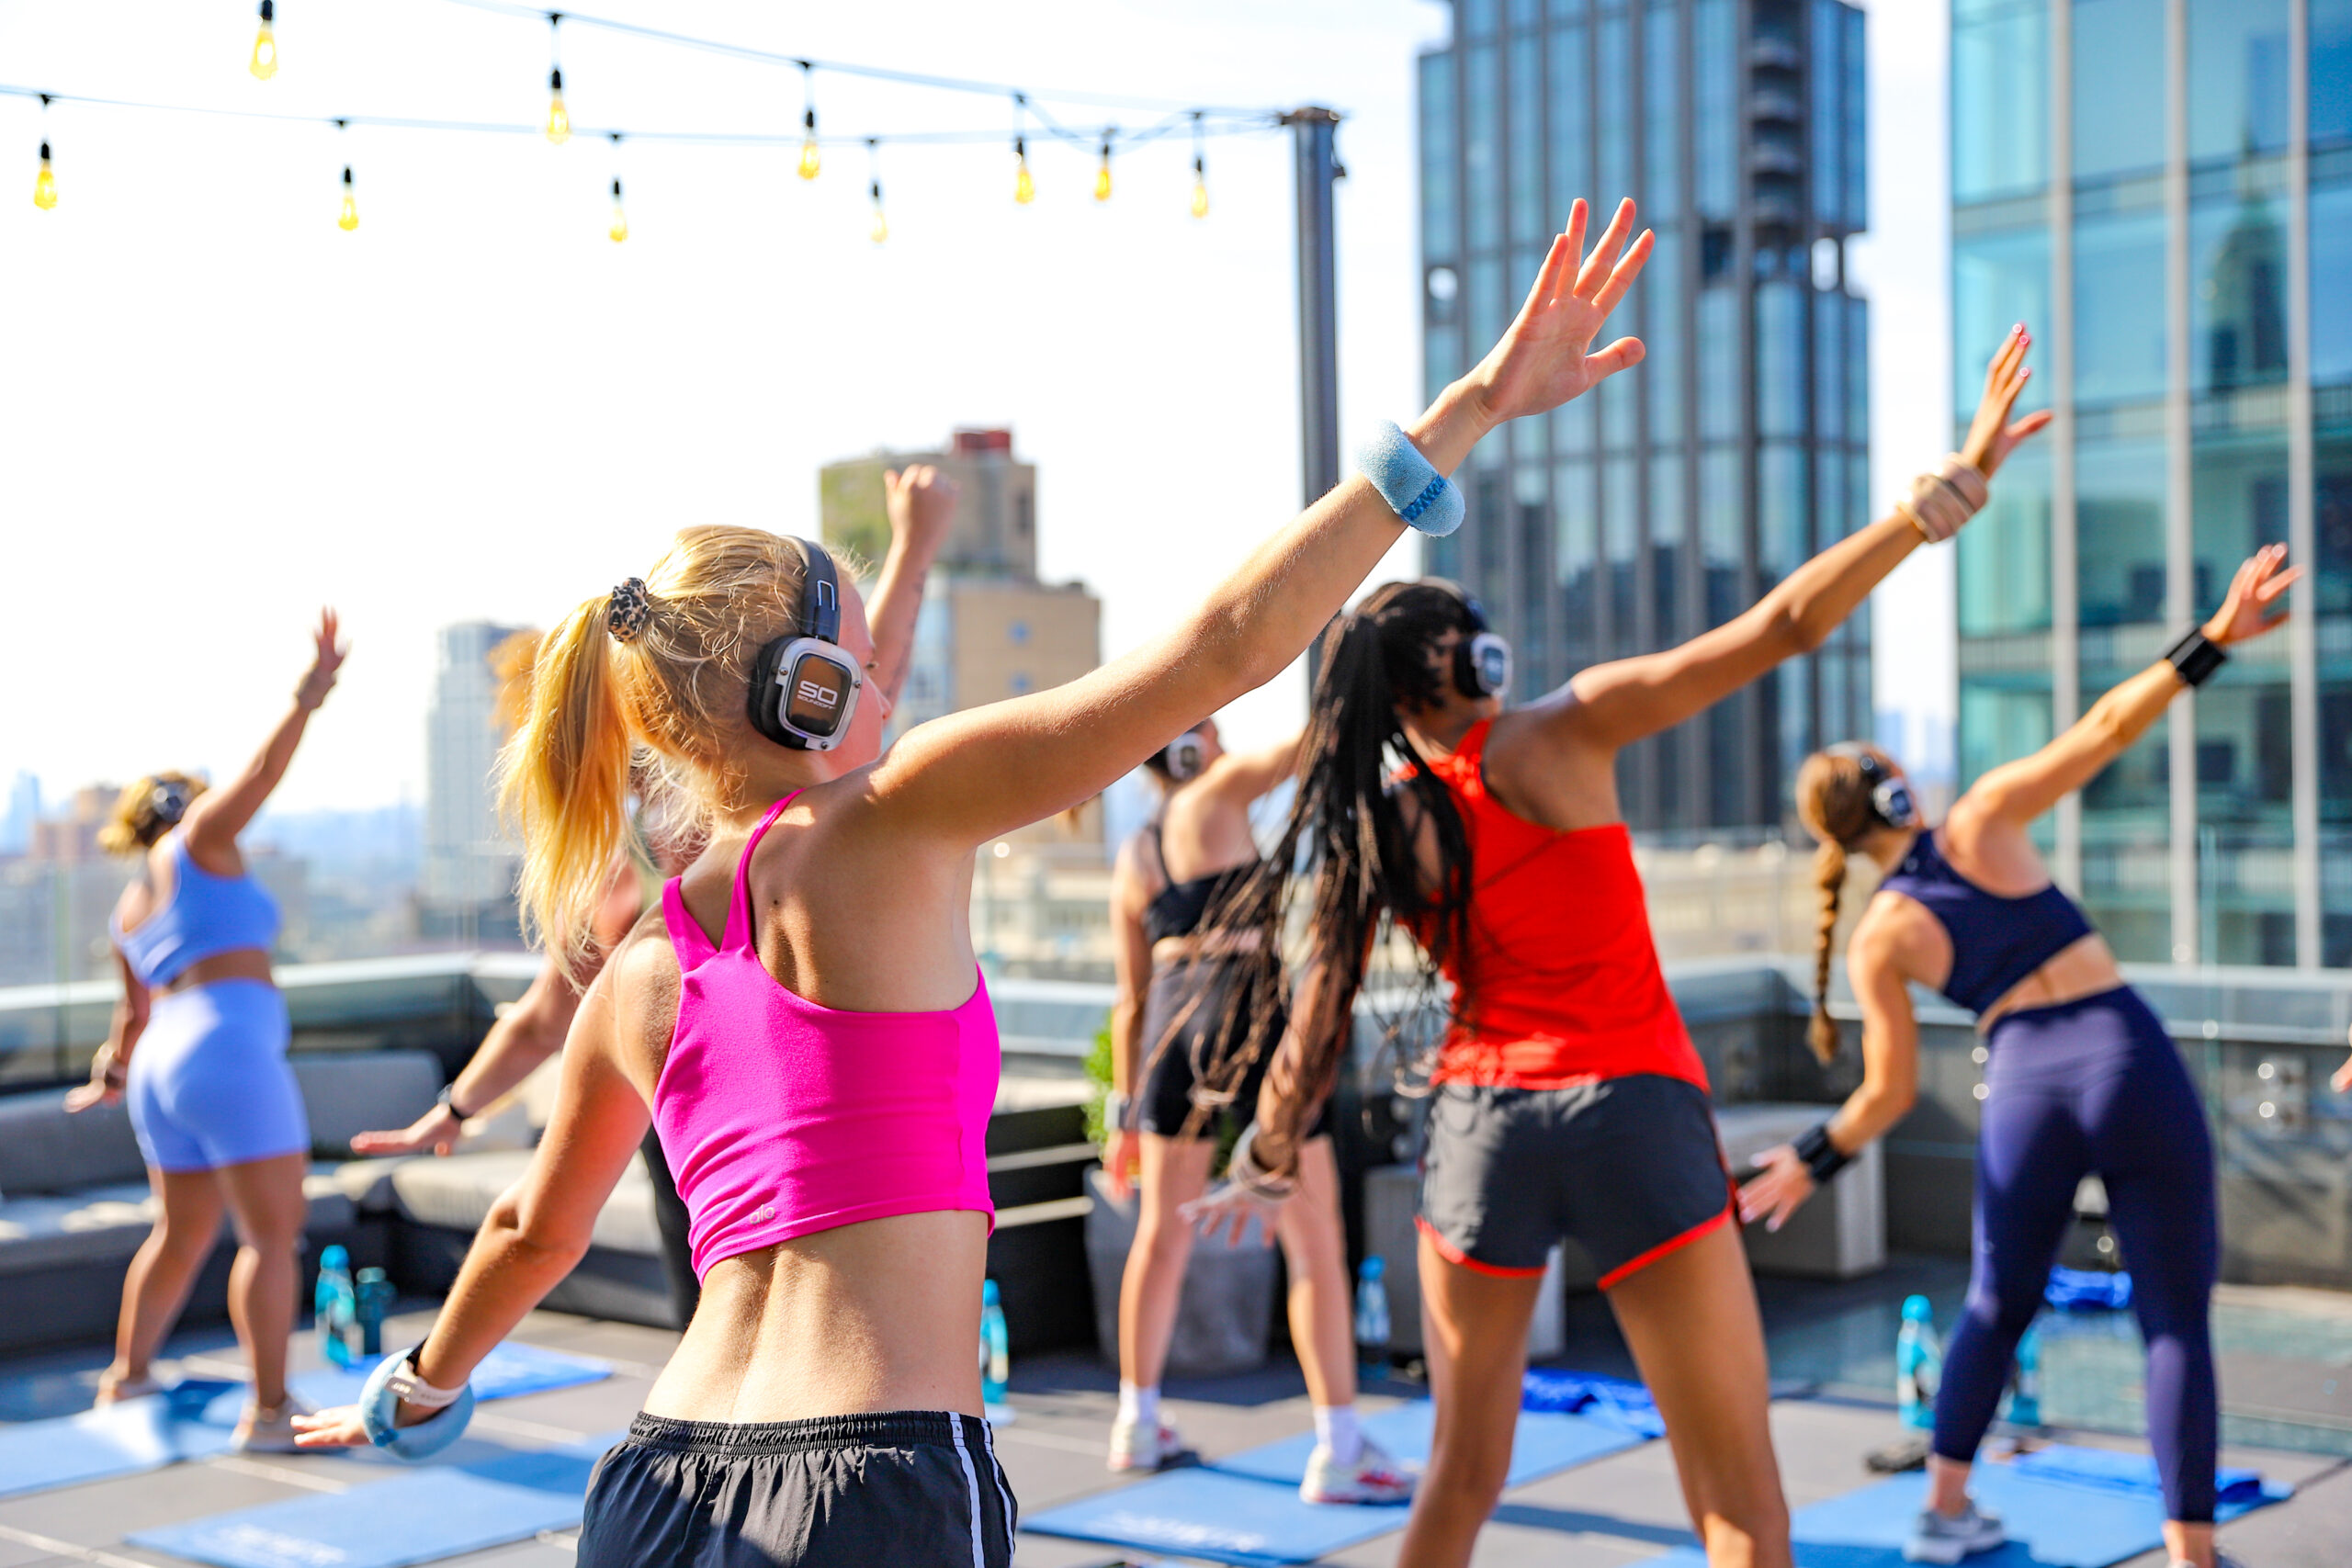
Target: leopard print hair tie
{"x": 632, "y": 608}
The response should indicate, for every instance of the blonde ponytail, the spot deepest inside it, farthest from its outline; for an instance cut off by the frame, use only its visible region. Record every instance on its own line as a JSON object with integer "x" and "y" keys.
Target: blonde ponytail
{"x": 1829, "y": 876}
{"x": 566, "y": 778}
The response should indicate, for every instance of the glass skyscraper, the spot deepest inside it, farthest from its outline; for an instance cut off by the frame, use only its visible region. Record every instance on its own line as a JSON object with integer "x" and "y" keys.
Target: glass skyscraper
{"x": 2163, "y": 188}
{"x": 1671, "y": 498}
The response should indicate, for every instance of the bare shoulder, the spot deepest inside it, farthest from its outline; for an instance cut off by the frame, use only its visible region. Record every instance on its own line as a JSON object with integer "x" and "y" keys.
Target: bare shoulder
{"x": 643, "y": 980}
{"x": 1897, "y": 934}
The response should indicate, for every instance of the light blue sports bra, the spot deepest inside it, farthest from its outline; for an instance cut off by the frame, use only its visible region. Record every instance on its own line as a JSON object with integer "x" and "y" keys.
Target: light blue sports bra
{"x": 205, "y": 915}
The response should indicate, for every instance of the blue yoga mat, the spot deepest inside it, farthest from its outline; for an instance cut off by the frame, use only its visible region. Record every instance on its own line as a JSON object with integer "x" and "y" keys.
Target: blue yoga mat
{"x": 2050, "y": 1524}
{"x": 435, "y": 1512}
{"x": 1616, "y": 1400}
{"x": 2239, "y": 1490}
{"x": 121, "y": 1440}
{"x": 510, "y": 1371}
{"x": 1246, "y": 1510}
{"x": 1543, "y": 1444}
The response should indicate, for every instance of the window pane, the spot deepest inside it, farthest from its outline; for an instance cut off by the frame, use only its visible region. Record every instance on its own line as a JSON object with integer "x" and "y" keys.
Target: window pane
{"x": 1999, "y": 722}
{"x": 1858, "y": 367}
{"x": 1616, "y": 176}
{"x": 1662, "y": 316}
{"x": 1526, "y": 14}
{"x": 1475, "y": 17}
{"x": 2331, "y": 209}
{"x": 1828, "y": 367}
{"x": 2127, "y": 838}
{"x": 1482, "y": 101}
{"x": 1527, "y": 218}
{"x": 2237, "y": 77}
{"x": 2000, "y": 101}
{"x": 1998, "y": 280}
{"x": 1529, "y": 608}
{"x": 2118, "y": 308}
{"x": 2237, "y": 296}
{"x": 1440, "y": 206}
{"x": 2332, "y": 574}
{"x": 1779, "y": 359}
{"x": 1621, "y": 534}
{"x": 2118, "y": 86}
{"x": 1721, "y": 540}
{"x": 1715, "y": 84}
{"x": 1662, "y": 109}
{"x": 1566, "y": 10}
{"x": 1571, "y": 121}
{"x": 1620, "y": 404}
{"x": 1858, "y": 121}
{"x": 2004, "y": 561}
{"x": 2239, "y": 495}
{"x": 1719, "y": 363}
{"x": 2331, "y": 70}
{"x": 1829, "y": 117}
{"x": 2120, "y": 531}
{"x": 1782, "y": 539}
{"x": 1576, "y": 553}
{"x": 1670, "y": 531}
{"x": 1572, "y": 425}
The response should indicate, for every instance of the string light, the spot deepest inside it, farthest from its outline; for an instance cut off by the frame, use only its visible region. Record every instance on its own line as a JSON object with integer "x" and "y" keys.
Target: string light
{"x": 619, "y": 229}
{"x": 348, "y": 218}
{"x": 1102, "y": 173}
{"x": 1200, "y": 171}
{"x": 45, "y": 183}
{"x": 559, "y": 120}
{"x": 265, "y": 61}
{"x": 811, "y": 161}
{"x": 1024, "y": 190}
{"x": 880, "y": 231}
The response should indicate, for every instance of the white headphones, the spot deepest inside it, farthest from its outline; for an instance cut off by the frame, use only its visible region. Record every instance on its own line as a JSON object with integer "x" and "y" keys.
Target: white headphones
{"x": 1183, "y": 758}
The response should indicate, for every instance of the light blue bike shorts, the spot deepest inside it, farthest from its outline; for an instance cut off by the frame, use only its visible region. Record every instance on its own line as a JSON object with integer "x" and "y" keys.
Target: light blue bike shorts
{"x": 209, "y": 1085}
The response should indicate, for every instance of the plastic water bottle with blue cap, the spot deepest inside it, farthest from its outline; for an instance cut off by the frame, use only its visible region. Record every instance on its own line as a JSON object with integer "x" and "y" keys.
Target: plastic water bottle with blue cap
{"x": 1918, "y": 1365}
{"x": 334, "y": 1308}
{"x": 996, "y": 1355}
{"x": 1372, "y": 1317}
{"x": 374, "y": 1293}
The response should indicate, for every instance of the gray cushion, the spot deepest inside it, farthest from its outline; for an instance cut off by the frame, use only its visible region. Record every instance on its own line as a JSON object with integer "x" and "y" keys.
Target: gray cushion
{"x": 106, "y": 1223}
{"x": 350, "y": 1092}
{"x": 43, "y": 1149}
{"x": 455, "y": 1193}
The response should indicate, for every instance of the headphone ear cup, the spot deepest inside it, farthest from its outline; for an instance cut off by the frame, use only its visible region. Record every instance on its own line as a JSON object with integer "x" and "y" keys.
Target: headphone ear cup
{"x": 1183, "y": 758}
{"x": 1482, "y": 666}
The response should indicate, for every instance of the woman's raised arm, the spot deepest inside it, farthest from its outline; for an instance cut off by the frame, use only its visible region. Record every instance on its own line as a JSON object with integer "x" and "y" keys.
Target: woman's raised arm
{"x": 969, "y": 776}
{"x": 213, "y": 823}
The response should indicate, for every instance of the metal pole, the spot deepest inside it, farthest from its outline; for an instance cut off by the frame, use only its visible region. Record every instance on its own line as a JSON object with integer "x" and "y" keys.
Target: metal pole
{"x": 1319, "y": 313}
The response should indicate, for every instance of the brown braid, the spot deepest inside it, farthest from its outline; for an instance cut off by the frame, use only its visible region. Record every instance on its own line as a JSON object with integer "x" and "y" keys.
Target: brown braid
{"x": 1834, "y": 804}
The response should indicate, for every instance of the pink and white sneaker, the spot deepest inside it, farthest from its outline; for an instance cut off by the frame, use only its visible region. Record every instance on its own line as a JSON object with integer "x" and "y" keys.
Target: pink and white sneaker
{"x": 1373, "y": 1478}
{"x": 1134, "y": 1447}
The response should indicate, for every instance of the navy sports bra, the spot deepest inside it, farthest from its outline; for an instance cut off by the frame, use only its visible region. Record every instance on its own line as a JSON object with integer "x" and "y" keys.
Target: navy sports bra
{"x": 1178, "y": 907}
{"x": 1996, "y": 942}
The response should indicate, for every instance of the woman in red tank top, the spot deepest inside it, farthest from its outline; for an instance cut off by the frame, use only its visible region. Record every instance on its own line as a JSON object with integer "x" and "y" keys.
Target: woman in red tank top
{"x": 1567, "y": 1099}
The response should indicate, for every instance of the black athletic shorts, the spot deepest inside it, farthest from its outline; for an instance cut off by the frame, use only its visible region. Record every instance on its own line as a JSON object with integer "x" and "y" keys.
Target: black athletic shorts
{"x": 1200, "y": 1000}
{"x": 916, "y": 1487}
{"x": 1630, "y": 1168}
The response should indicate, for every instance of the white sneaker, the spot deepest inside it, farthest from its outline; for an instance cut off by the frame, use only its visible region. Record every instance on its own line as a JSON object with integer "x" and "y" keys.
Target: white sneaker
{"x": 1373, "y": 1478}
{"x": 261, "y": 1431}
{"x": 1945, "y": 1538}
{"x": 1135, "y": 1448}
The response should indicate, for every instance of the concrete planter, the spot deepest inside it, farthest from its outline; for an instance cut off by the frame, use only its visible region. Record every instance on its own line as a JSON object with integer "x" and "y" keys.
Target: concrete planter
{"x": 1226, "y": 1314}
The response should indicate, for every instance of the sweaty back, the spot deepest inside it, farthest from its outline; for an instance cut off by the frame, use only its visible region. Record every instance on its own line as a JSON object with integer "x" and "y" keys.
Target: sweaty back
{"x": 1560, "y": 979}
{"x": 205, "y": 915}
{"x": 781, "y": 1118}
{"x": 1996, "y": 942}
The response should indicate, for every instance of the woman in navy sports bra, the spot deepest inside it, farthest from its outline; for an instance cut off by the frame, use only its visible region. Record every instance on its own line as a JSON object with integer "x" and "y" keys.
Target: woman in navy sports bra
{"x": 2082, "y": 1077}
{"x": 803, "y": 1019}
{"x": 198, "y": 1048}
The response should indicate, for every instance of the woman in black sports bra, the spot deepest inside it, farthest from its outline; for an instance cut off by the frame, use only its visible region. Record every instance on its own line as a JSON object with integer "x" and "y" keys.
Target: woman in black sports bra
{"x": 1179, "y": 1010}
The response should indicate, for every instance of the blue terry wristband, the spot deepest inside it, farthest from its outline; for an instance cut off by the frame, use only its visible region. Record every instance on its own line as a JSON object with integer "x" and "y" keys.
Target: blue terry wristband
{"x": 1417, "y": 492}
{"x": 378, "y": 1405}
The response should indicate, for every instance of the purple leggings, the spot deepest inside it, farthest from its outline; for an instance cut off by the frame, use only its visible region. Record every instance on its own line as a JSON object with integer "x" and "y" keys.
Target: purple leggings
{"x": 2094, "y": 1086}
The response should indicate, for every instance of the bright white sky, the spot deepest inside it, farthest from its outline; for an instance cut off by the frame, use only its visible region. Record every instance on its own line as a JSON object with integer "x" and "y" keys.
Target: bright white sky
{"x": 221, "y": 411}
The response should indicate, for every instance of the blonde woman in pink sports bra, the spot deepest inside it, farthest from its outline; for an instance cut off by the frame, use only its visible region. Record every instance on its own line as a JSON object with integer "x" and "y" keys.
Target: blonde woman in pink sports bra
{"x": 804, "y": 1021}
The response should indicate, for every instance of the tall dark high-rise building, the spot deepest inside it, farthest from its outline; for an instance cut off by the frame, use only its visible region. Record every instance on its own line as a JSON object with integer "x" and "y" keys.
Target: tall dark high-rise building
{"x": 1671, "y": 498}
{"x": 2163, "y": 187}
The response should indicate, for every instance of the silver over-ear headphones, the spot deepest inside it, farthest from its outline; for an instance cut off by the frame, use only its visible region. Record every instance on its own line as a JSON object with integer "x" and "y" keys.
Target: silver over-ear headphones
{"x": 1890, "y": 800}
{"x": 1184, "y": 757}
{"x": 169, "y": 800}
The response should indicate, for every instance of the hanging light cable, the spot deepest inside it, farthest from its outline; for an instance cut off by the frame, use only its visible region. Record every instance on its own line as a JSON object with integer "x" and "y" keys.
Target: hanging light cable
{"x": 1102, "y": 172}
{"x": 264, "y": 64}
{"x": 811, "y": 160}
{"x": 558, "y": 119}
{"x": 1200, "y": 171}
{"x": 1024, "y": 188}
{"x": 619, "y": 229}
{"x": 880, "y": 231}
{"x": 44, "y": 183}
{"x": 348, "y": 218}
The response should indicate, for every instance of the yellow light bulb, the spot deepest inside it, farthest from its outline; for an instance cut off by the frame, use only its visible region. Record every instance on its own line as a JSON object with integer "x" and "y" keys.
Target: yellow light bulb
{"x": 811, "y": 160}
{"x": 264, "y": 62}
{"x": 45, "y": 184}
{"x": 350, "y": 218}
{"x": 1102, "y": 182}
{"x": 1200, "y": 198}
{"x": 1024, "y": 190}
{"x": 881, "y": 230}
{"x": 559, "y": 122}
{"x": 619, "y": 231}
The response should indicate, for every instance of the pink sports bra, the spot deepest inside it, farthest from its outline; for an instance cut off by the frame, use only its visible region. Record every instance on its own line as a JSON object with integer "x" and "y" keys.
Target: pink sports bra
{"x": 781, "y": 1118}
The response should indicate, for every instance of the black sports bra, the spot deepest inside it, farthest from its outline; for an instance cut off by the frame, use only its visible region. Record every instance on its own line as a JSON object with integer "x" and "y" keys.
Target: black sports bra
{"x": 1178, "y": 907}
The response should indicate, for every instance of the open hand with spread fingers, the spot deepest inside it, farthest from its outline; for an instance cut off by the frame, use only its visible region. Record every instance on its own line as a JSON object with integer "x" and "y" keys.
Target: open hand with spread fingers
{"x": 2258, "y": 586}
{"x": 1546, "y": 357}
{"x": 1994, "y": 435}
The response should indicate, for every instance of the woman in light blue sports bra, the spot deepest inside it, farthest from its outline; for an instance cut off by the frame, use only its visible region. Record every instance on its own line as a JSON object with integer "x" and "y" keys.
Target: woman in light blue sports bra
{"x": 199, "y": 1048}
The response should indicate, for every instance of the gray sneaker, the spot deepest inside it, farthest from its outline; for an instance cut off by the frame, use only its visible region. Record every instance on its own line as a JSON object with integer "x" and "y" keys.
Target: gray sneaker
{"x": 1946, "y": 1539}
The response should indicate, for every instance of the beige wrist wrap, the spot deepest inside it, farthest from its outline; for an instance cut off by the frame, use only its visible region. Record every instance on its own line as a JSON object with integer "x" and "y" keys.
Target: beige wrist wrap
{"x": 1944, "y": 498}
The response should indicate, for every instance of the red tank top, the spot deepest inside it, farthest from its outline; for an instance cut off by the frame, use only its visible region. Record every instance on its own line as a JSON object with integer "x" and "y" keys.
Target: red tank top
{"x": 1560, "y": 980}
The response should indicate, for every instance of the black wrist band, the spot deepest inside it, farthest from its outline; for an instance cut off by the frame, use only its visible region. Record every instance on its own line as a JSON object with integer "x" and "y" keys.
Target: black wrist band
{"x": 1823, "y": 1158}
{"x": 2196, "y": 657}
{"x": 447, "y": 1101}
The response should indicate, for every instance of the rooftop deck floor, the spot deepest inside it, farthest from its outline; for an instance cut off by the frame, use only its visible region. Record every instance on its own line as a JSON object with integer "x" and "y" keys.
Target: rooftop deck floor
{"x": 1620, "y": 1509}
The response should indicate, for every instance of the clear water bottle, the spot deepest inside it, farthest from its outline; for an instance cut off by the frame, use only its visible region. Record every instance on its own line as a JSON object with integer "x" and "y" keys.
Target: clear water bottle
{"x": 1918, "y": 1365}
{"x": 374, "y": 1294}
{"x": 1372, "y": 1317}
{"x": 996, "y": 1357}
{"x": 334, "y": 1308}
{"x": 2025, "y": 1381}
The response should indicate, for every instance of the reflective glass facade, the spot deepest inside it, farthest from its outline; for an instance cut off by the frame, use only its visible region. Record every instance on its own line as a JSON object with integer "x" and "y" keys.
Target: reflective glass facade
{"x": 2164, "y": 188}
{"x": 1677, "y": 494}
